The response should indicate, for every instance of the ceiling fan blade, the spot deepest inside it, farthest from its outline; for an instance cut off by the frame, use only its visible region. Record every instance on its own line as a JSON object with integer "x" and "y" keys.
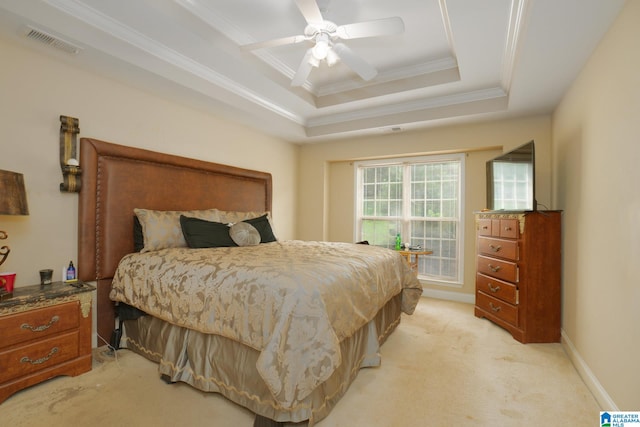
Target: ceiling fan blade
{"x": 310, "y": 11}
{"x": 274, "y": 42}
{"x": 303, "y": 71}
{"x": 379, "y": 27}
{"x": 353, "y": 61}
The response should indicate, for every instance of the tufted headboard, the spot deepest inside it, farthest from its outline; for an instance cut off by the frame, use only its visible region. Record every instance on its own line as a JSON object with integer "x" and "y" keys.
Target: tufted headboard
{"x": 117, "y": 178}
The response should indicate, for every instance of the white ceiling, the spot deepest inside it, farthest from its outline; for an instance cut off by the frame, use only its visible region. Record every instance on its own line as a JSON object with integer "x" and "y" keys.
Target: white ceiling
{"x": 457, "y": 60}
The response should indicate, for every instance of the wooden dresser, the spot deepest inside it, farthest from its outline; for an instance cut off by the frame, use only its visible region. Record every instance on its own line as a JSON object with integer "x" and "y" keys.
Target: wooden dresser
{"x": 518, "y": 273}
{"x": 46, "y": 332}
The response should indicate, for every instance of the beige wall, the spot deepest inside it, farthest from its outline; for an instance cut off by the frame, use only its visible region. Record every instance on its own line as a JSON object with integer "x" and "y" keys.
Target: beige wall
{"x": 326, "y": 199}
{"x": 596, "y": 152}
{"x": 35, "y": 90}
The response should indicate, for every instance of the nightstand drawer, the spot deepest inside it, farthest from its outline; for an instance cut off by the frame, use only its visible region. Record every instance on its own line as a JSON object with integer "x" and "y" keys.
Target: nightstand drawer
{"x": 38, "y": 323}
{"x": 497, "y": 308}
{"x": 27, "y": 359}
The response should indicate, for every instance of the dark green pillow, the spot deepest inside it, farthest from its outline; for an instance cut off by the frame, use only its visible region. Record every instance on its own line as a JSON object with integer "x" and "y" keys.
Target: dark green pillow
{"x": 264, "y": 228}
{"x": 200, "y": 233}
{"x": 138, "y": 237}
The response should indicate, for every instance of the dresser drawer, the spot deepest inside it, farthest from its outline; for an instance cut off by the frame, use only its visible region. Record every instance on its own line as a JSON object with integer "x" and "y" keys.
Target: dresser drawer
{"x": 484, "y": 227}
{"x": 497, "y": 308}
{"x": 508, "y": 229}
{"x": 505, "y": 291}
{"x": 30, "y": 358}
{"x": 38, "y": 323}
{"x": 507, "y": 249}
{"x": 497, "y": 268}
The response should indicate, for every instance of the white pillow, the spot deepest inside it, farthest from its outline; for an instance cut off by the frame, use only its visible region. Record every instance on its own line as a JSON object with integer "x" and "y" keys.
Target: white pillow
{"x": 161, "y": 229}
{"x": 244, "y": 234}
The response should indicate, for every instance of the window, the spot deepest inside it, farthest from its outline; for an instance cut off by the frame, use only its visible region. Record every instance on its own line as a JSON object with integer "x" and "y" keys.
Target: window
{"x": 420, "y": 199}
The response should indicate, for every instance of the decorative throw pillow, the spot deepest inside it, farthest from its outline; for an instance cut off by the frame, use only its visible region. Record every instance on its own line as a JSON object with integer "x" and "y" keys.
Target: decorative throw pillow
{"x": 263, "y": 226}
{"x": 138, "y": 236}
{"x": 244, "y": 234}
{"x": 161, "y": 229}
{"x": 200, "y": 233}
{"x": 237, "y": 216}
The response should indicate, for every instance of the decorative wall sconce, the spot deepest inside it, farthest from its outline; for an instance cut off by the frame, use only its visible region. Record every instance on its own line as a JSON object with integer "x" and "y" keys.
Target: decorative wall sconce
{"x": 71, "y": 172}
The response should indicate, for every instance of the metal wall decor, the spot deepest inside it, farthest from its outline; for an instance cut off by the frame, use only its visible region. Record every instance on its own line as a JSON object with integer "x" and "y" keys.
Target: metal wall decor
{"x": 71, "y": 172}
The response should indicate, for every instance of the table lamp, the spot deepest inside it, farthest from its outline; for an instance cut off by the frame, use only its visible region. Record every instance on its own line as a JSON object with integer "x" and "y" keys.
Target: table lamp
{"x": 13, "y": 201}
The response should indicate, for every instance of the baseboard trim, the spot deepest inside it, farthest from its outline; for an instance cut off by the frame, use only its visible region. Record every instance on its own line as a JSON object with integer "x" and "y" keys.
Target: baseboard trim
{"x": 592, "y": 383}
{"x": 448, "y": 295}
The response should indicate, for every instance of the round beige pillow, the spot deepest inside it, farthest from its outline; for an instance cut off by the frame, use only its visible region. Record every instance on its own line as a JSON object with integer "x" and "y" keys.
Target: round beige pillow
{"x": 244, "y": 234}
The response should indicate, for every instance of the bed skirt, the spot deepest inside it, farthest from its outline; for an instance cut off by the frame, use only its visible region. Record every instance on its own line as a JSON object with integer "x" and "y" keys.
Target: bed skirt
{"x": 214, "y": 363}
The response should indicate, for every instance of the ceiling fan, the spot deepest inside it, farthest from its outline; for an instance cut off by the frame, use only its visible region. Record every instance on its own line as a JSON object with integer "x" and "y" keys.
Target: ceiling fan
{"x": 325, "y": 36}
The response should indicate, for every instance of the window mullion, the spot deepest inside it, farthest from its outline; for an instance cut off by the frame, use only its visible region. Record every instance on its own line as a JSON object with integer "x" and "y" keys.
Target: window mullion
{"x": 406, "y": 203}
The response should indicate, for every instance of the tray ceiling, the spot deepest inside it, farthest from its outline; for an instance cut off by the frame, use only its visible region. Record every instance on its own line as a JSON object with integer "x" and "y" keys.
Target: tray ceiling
{"x": 456, "y": 60}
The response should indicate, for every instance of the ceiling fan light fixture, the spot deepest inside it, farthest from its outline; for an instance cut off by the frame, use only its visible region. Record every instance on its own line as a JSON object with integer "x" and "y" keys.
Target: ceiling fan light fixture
{"x": 321, "y": 49}
{"x": 325, "y": 36}
{"x": 332, "y": 58}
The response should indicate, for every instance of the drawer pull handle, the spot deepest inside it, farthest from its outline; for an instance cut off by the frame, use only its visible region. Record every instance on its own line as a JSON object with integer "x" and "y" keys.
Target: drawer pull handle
{"x": 495, "y": 248}
{"x": 493, "y": 288}
{"x": 494, "y": 308}
{"x": 40, "y": 361}
{"x": 494, "y": 268}
{"x": 41, "y": 328}
{"x": 507, "y": 228}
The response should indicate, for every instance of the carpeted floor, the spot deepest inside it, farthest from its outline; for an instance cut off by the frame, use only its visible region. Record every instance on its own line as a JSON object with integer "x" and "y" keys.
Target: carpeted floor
{"x": 442, "y": 367}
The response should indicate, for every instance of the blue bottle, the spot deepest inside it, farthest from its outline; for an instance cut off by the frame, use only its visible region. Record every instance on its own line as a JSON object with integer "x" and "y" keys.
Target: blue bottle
{"x": 71, "y": 272}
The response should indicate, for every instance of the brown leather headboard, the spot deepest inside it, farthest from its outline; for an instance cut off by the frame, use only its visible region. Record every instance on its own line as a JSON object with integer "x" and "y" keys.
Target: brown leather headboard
{"x": 116, "y": 179}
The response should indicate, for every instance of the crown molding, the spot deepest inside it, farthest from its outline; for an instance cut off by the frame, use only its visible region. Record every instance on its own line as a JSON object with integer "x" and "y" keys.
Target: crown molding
{"x": 516, "y": 27}
{"x": 134, "y": 38}
{"x": 405, "y": 107}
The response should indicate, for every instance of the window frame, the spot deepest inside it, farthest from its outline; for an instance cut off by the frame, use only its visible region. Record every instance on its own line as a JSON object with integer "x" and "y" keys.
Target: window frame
{"x": 406, "y": 218}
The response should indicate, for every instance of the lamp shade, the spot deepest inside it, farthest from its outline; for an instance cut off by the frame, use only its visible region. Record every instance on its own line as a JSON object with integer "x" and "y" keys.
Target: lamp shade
{"x": 13, "y": 197}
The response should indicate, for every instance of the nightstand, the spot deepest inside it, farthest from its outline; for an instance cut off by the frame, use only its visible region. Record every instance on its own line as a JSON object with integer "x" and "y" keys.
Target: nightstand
{"x": 46, "y": 332}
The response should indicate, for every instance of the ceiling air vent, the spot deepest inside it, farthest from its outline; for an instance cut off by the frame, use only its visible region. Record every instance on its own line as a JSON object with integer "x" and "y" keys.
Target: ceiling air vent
{"x": 48, "y": 39}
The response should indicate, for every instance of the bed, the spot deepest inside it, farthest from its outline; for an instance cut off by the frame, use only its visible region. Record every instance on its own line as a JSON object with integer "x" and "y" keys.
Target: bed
{"x": 279, "y": 327}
